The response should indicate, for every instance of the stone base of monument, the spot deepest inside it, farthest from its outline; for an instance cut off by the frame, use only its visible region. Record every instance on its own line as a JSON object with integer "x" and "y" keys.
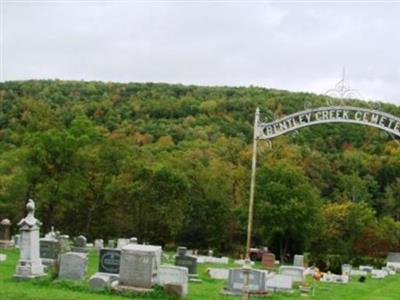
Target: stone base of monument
{"x": 80, "y": 250}
{"x": 194, "y": 278}
{"x": 49, "y": 263}
{"x": 5, "y": 244}
{"x": 27, "y": 270}
{"x": 125, "y": 289}
{"x": 227, "y": 292}
{"x": 102, "y": 281}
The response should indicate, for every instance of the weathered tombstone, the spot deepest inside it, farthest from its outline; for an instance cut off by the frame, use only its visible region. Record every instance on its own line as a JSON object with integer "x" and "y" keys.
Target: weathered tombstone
{"x": 187, "y": 261}
{"x": 367, "y": 269}
{"x": 73, "y": 265}
{"x": 109, "y": 261}
{"x": 111, "y": 244}
{"x": 298, "y": 261}
{"x": 17, "y": 240}
{"x": 217, "y": 273}
{"x": 52, "y": 234}
{"x": 279, "y": 283}
{"x": 98, "y": 244}
{"x": 3, "y": 257}
{"x": 268, "y": 260}
{"x": 101, "y": 281}
{"x": 297, "y": 273}
{"x": 379, "y": 274}
{"x": 174, "y": 280}
{"x": 133, "y": 240}
{"x": 108, "y": 270}
{"x": 80, "y": 244}
{"x": 49, "y": 250}
{"x": 64, "y": 243}
{"x": 334, "y": 278}
{"x": 393, "y": 257}
{"x": 122, "y": 243}
{"x": 346, "y": 269}
{"x": 236, "y": 281}
{"x": 139, "y": 266}
{"x": 29, "y": 264}
{"x": 5, "y": 233}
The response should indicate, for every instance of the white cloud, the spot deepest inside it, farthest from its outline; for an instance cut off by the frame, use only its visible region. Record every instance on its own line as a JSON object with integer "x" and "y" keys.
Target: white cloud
{"x": 289, "y": 45}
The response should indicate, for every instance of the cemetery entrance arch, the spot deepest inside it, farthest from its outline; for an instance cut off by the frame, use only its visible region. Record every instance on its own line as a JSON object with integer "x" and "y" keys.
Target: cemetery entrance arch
{"x": 309, "y": 117}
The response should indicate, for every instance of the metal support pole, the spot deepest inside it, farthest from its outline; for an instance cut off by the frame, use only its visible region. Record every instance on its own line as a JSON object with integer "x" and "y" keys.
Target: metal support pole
{"x": 252, "y": 184}
{"x": 247, "y": 265}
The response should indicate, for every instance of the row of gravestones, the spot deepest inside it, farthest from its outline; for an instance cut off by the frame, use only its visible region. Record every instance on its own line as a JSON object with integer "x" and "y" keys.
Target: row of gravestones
{"x": 133, "y": 267}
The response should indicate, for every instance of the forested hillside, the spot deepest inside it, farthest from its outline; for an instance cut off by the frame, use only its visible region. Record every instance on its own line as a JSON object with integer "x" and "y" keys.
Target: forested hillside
{"x": 170, "y": 164}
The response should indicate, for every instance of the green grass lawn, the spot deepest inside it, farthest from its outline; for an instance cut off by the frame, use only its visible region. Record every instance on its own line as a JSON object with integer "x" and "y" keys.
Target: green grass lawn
{"x": 48, "y": 289}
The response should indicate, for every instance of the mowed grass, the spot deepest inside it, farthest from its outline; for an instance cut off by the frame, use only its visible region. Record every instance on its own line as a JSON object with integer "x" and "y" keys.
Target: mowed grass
{"x": 49, "y": 289}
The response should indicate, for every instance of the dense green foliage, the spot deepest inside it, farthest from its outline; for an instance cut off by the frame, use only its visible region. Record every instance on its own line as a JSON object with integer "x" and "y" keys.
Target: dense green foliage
{"x": 170, "y": 164}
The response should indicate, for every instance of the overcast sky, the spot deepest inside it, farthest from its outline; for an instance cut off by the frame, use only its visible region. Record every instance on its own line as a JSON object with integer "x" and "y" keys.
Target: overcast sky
{"x": 293, "y": 45}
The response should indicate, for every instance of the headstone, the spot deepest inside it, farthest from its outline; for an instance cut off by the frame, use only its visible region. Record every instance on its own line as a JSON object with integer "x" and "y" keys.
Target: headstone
{"x": 346, "y": 269}
{"x": 187, "y": 261}
{"x": 139, "y": 266}
{"x": 268, "y": 260}
{"x": 236, "y": 281}
{"x": 49, "y": 250}
{"x": 389, "y": 270}
{"x": 5, "y": 233}
{"x": 73, "y": 266}
{"x": 133, "y": 240}
{"x": 298, "y": 261}
{"x": 395, "y": 266}
{"x": 242, "y": 262}
{"x": 334, "y": 278}
{"x": 101, "y": 281}
{"x": 174, "y": 280}
{"x": 52, "y": 234}
{"x": 279, "y": 283}
{"x": 111, "y": 244}
{"x": 109, "y": 261}
{"x": 3, "y": 257}
{"x": 393, "y": 257}
{"x": 98, "y": 244}
{"x": 297, "y": 273}
{"x": 201, "y": 259}
{"x": 64, "y": 243}
{"x": 80, "y": 244}
{"x": 17, "y": 240}
{"x": 367, "y": 269}
{"x": 122, "y": 243}
{"x": 29, "y": 264}
{"x": 378, "y": 274}
{"x": 358, "y": 273}
{"x": 217, "y": 273}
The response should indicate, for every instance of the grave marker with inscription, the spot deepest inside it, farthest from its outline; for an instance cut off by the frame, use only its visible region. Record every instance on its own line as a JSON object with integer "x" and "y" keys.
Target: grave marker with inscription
{"x": 109, "y": 261}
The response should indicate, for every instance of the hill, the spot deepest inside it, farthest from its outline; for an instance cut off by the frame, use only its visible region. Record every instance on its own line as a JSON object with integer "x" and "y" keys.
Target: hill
{"x": 170, "y": 164}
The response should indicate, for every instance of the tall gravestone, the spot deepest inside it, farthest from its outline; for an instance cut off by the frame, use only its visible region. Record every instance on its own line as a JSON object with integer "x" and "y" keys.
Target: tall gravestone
{"x": 188, "y": 261}
{"x": 50, "y": 248}
{"x": 109, "y": 262}
{"x": 29, "y": 264}
{"x": 236, "y": 281}
{"x": 5, "y": 233}
{"x": 139, "y": 266}
{"x": 268, "y": 260}
{"x": 73, "y": 266}
{"x": 80, "y": 244}
{"x": 298, "y": 260}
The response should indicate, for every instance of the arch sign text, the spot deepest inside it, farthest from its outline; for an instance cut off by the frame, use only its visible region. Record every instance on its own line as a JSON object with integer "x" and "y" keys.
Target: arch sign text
{"x": 335, "y": 114}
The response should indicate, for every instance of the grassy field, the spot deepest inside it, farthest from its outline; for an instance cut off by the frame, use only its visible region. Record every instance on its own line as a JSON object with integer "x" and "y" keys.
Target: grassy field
{"x": 48, "y": 289}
